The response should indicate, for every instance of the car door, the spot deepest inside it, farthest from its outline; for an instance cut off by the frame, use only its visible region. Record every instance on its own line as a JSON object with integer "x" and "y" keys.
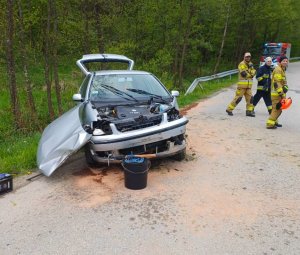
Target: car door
{"x": 63, "y": 137}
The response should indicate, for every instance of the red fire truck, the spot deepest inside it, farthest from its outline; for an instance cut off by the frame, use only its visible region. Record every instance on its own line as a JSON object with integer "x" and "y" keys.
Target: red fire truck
{"x": 275, "y": 50}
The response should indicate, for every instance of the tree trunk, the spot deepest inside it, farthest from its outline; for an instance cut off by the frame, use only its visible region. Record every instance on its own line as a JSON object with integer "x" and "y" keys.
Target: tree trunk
{"x": 15, "y": 105}
{"x": 265, "y": 33}
{"x": 252, "y": 37}
{"x": 274, "y": 36}
{"x": 55, "y": 61}
{"x": 175, "y": 65}
{"x": 242, "y": 32}
{"x": 86, "y": 40}
{"x": 99, "y": 29}
{"x": 185, "y": 43}
{"x": 47, "y": 62}
{"x": 223, "y": 40}
{"x": 177, "y": 53}
{"x": 30, "y": 99}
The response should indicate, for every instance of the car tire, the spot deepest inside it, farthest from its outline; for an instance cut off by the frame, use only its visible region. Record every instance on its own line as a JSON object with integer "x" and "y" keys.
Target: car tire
{"x": 89, "y": 158}
{"x": 180, "y": 155}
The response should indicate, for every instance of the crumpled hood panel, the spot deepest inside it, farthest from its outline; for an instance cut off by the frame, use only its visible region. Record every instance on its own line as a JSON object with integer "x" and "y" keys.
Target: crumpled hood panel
{"x": 63, "y": 137}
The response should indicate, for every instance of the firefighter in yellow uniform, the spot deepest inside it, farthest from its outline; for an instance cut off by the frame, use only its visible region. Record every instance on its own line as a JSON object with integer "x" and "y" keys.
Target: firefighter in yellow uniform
{"x": 278, "y": 91}
{"x": 244, "y": 86}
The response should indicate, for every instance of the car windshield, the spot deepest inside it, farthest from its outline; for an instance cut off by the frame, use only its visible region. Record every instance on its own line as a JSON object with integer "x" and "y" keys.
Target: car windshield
{"x": 272, "y": 51}
{"x": 127, "y": 87}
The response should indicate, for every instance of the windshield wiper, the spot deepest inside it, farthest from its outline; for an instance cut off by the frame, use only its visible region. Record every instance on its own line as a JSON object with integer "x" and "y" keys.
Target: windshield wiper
{"x": 118, "y": 92}
{"x": 143, "y": 92}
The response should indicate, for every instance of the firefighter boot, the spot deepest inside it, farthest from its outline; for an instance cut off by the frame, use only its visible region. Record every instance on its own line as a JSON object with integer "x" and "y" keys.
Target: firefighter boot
{"x": 229, "y": 112}
{"x": 250, "y": 113}
{"x": 278, "y": 125}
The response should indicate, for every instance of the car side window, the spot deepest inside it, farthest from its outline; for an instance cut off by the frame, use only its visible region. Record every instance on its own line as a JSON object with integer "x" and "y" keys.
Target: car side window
{"x": 84, "y": 86}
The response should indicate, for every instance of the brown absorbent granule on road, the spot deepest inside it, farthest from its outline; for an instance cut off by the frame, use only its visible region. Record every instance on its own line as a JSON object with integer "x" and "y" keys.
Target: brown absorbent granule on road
{"x": 94, "y": 188}
{"x": 184, "y": 110}
{"x": 84, "y": 172}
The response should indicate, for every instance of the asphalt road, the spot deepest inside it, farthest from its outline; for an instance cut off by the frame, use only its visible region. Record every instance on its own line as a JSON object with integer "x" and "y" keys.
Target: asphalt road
{"x": 238, "y": 193}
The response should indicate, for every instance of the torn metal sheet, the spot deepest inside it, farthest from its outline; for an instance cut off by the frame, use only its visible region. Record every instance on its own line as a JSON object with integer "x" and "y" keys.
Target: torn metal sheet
{"x": 60, "y": 139}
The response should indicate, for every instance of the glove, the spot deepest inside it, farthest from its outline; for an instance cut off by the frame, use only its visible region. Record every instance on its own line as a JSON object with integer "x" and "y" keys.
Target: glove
{"x": 244, "y": 74}
{"x": 278, "y": 105}
{"x": 285, "y": 88}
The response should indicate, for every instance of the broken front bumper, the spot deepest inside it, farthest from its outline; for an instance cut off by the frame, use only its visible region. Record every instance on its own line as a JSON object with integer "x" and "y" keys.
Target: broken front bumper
{"x": 117, "y": 143}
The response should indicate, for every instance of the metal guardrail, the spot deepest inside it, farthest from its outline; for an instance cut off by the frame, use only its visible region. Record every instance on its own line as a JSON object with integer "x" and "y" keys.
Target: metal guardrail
{"x": 295, "y": 58}
{"x": 198, "y": 81}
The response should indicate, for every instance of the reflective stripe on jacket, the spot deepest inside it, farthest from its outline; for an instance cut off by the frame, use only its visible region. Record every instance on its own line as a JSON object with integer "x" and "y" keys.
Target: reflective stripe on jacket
{"x": 246, "y": 74}
{"x": 263, "y": 77}
{"x": 278, "y": 81}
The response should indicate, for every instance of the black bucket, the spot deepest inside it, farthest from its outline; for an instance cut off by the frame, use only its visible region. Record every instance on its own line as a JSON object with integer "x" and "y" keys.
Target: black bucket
{"x": 136, "y": 172}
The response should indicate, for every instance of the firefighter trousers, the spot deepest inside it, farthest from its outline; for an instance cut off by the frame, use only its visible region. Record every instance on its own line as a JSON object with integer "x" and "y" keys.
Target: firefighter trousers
{"x": 275, "y": 112}
{"x": 266, "y": 95}
{"x": 239, "y": 93}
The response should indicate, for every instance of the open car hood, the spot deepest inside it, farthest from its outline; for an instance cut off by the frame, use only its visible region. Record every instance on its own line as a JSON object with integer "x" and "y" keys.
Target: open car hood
{"x": 63, "y": 137}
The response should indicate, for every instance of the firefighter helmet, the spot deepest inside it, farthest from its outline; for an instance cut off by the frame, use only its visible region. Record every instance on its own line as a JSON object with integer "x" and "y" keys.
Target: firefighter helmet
{"x": 285, "y": 103}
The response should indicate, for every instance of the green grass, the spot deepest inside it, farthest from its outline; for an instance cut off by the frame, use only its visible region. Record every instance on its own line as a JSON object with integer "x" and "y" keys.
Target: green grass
{"x": 18, "y": 153}
{"x": 18, "y": 148}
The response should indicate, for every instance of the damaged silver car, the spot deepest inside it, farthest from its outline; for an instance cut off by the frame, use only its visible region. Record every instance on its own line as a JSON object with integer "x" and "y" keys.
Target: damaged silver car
{"x": 119, "y": 113}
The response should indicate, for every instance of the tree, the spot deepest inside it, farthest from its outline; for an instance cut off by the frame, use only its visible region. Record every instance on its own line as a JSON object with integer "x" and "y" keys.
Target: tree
{"x": 54, "y": 40}
{"x": 98, "y": 9}
{"x": 47, "y": 59}
{"x": 186, "y": 36}
{"x": 223, "y": 40}
{"x": 24, "y": 59}
{"x": 86, "y": 31}
{"x": 15, "y": 105}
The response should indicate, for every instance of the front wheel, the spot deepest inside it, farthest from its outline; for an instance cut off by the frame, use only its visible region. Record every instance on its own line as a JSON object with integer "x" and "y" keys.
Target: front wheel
{"x": 180, "y": 155}
{"x": 89, "y": 158}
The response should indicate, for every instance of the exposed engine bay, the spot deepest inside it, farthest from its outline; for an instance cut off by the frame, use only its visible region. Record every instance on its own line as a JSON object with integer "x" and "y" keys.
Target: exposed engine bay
{"x": 127, "y": 118}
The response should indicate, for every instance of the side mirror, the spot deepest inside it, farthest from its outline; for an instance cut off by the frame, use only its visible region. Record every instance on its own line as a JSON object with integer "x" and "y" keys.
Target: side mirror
{"x": 77, "y": 97}
{"x": 175, "y": 93}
